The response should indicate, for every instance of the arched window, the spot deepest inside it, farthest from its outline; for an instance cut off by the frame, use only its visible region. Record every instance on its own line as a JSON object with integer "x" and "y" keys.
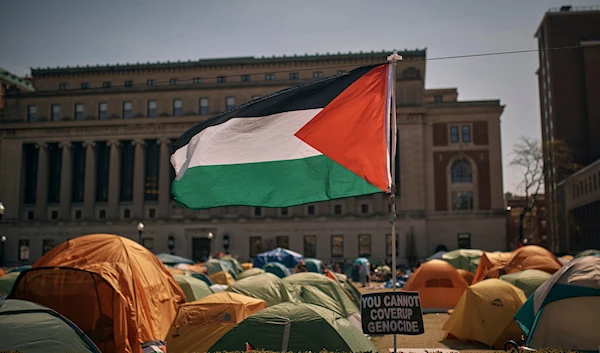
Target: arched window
{"x": 461, "y": 186}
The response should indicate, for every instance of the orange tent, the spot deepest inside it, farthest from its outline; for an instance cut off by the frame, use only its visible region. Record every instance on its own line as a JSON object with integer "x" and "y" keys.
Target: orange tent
{"x": 439, "y": 285}
{"x": 466, "y": 275}
{"x": 2, "y": 273}
{"x": 491, "y": 264}
{"x": 247, "y": 265}
{"x": 112, "y": 288}
{"x": 533, "y": 257}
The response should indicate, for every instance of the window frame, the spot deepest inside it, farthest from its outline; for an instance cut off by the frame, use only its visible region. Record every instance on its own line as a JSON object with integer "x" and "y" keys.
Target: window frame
{"x": 148, "y": 109}
{"x": 84, "y": 85}
{"x": 227, "y": 105}
{"x": 281, "y": 244}
{"x": 176, "y": 112}
{"x": 313, "y": 252}
{"x": 150, "y": 83}
{"x": 254, "y": 252}
{"x": 221, "y": 79}
{"x": 24, "y": 243}
{"x": 270, "y": 77}
{"x": 31, "y": 117}
{"x": 106, "y": 84}
{"x": 314, "y": 212}
{"x": 452, "y": 134}
{"x": 45, "y": 247}
{"x": 335, "y": 207}
{"x": 245, "y": 78}
{"x": 75, "y": 112}
{"x": 197, "y": 80}
{"x": 317, "y": 75}
{"x": 370, "y": 245}
{"x": 128, "y": 83}
{"x": 201, "y": 111}
{"x": 294, "y": 76}
{"x": 127, "y": 114}
{"x": 52, "y": 113}
{"x": 468, "y": 134}
{"x": 100, "y": 111}
{"x": 62, "y": 86}
{"x": 173, "y": 81}
{"x": 340, "y": 253}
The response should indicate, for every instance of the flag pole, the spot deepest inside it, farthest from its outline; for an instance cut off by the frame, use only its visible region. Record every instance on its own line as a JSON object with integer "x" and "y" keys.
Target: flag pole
{"x": 392, "y": 59}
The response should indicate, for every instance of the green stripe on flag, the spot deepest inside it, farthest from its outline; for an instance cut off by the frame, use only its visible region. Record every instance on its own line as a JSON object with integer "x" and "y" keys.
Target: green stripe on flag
{"x": 268, "y": 184}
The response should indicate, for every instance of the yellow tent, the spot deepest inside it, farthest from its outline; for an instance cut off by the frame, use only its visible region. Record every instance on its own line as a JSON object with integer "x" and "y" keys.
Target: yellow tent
{"x": 485, "y": 313}
{"x": 222, "y": 278}
{"x": 198, "y": 325}
{"x": 247, "y": 265}
{"x": 491, "y": 265}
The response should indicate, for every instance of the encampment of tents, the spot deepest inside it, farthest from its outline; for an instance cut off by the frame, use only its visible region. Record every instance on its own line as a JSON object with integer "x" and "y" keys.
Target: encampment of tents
{"x": 267, "y": 287}
{"x": 490, "y": 265}
{"x": 277, "y": 269}
{"x": 250, "y": 272}
{"x": 295, "y": 327}
{"x": 532, "y": 257}
{"x": 209, "y": 319}
{"x": 193, "y": 288}
{"x": 485, "y": 313}
{"x": 173, "y": 260}
{"x": 112, "y": 288}
{"x": 528, "y": 281}
{"x": 30, "y": 327}
{"x": 439, "y": 285}
{"x": 285, "y": 257}
{"x": 461, "y": 258}
{"x": 564, "y": 312}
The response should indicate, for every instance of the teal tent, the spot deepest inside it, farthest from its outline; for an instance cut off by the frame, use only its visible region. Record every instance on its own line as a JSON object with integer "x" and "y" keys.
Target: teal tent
{"x": 588, "y": 252}
{"x": 277, "y": 269}
{"x": 251, "y": 272}
{"x": 6, "y": 283}
{"x": 314, "y": 265}
{"x": 214, "y": 265}
{"x": 172, "y": 260}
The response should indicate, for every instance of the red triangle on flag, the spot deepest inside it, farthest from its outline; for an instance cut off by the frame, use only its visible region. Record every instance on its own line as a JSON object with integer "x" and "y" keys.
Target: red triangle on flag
{"x": 351, "y": 129}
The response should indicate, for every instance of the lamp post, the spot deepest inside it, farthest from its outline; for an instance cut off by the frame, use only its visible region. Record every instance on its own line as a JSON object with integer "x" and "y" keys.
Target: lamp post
{"x": 3, "y": 238}
{"x": 226, "y": 243}
{"x": 140, "y": 228}
{"x": 171, "y": 244}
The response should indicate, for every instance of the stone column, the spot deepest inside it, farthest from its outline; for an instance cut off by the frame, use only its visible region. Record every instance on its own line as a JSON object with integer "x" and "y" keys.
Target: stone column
{"x": 139, "y": 176}
{"x": 66, "y": 171}
{"x": 89, "y": 192}
{"x": 114, "y": 178}
{"x": 41, "y": 198}
{"x": 164, "y": 179}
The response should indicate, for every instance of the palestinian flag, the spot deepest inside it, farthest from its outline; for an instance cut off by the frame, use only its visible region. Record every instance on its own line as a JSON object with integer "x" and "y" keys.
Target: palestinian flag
{"x": 318, "y": 141}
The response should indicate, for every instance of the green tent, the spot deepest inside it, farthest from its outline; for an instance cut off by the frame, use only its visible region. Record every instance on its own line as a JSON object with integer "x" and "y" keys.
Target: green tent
{"x": 588, "y": 252}
{"x": 267, "y": 287}
{"x": 314, "y": 265}
{"x": 193, "y": 288}
{"x": 461, "y": 258}
{"x": 30, "y": 327}
{"x": 349, "y": 287}
{"x": 527, "y": 280}
{"x": 6, "y": 283}
{"x": 250, "y": 272}
{"x": 234, "y": 262}
{"x": 277, "y": 269}
{"x": 473, "y": 264}
{"x": 294, "y": 327}
{"x": 213, "y": 266}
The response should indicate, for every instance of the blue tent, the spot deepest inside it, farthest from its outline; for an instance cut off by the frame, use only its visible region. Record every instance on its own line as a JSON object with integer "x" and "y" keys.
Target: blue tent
{"x": 277, "y": 269}
{"x": 314, "y": 265}
{"x": 285, "y": 257}
{"x": 169, "y": 259}
{"x": 437, "y": 256}
{"x": 360, "y": 261}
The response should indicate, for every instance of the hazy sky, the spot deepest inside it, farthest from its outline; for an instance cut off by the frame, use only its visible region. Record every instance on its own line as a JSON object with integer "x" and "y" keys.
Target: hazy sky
{"x": 59, "y": 33}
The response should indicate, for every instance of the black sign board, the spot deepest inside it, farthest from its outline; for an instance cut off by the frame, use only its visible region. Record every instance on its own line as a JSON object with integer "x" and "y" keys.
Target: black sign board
{"x": 391, "y": 313}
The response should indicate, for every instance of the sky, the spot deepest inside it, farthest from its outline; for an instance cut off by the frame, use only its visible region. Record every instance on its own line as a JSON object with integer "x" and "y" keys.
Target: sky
{"x": 60, "y": 33}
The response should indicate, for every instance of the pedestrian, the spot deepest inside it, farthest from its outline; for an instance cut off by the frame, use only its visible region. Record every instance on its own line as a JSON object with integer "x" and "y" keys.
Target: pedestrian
{"x": 363, "y": 274}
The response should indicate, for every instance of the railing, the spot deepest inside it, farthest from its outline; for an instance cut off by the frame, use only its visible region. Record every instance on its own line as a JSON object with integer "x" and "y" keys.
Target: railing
{"x": 574, "y": 9}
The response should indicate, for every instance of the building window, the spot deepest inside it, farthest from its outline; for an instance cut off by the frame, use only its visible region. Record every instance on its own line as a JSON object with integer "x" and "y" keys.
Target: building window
{"x": 152, "y": 170}
{"x": 204, "y": 106}
{"x": 102, "y": 110}
{"x": 77, "y": 171}
{"x": 310, "y": 210}
{"x": 78, "y": 214}
{"x": 85, "y": 85}
{"x": 23, "y": 249}
{"x": 152, "y": 213}
{"x": 221, "y": 79}
{"x": 197, "y": 80}
{"x": 462, "y": 200}
{"x": 229, "y": 103}
{"x": 148, "y": 243}
{"x": 126, "y": 213}
{"x": 464, "y": 240}
{"x": 337, "y": 246}
{"x": 294, "y": 76}
{"x": 47, "y": 245}
{"x": 364, "y": 208}
{"x": 177, "y": 107}
{"x": 438, "y": 98}
{"x": 62, "y": 86}
{"x": 283, "y": 241}
{"x": 55, "y": 112}
{"x": 310, "y": 246}
{"x": 126, "y": 177}
{"x": 102, "y": 214}
{"x": 173, "y": 81}
{"x": 411, "y": 73}
{"x": 284, "y": 211}
{"x": 54, "y": 172}
{"x": 30, "y": 215}
{"x": 54, "y": 215}
{"x": 152, "y": 109}
{"x": 337, "y": 210}
{"x": 388, "y": 245}
{"x": 364, "y": 245}
{"x": 461, "y": 172}
{"x": 341, "y": 72}
{"x": 454, "y": 138}
{"x": 257, "y": 211}
{"x": 150, "y": 83}
{"x": 30, "y": 155}
{"x": 102, "y": 170}
{"x": 78, "y": 111}
{"x": 461, "y": 178}
{"x": 269, "y": 77}
{"x": 128, "y": 83}
{"x": 31, "y": 113}
{"x": 255, "y": 246}
{"x": 127, "y": 110}
{"x": 466, "y": 133}
{"x": 245, "y": 78}
{"x": 106, "y": 84}
{"x": 317, "y": 74}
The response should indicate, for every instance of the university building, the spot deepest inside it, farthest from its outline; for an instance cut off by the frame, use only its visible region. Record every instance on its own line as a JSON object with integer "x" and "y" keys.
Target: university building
{"x": 88, "y": 152}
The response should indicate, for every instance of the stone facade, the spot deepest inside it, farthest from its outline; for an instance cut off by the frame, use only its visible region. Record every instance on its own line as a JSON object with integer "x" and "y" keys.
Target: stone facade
{"x": 92, "y": 156}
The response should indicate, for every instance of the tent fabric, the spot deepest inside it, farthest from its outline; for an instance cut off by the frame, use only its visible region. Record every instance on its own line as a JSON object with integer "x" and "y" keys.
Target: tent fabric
{"x": 169, "y": 259}
{"x": 439, "y": 285}
{"x": 209, "y": 318}
{"x": 2, "y": 273}
{"x": 175, "y": 271}
{"x": 566, "y": 258}
{"x": 197, "y": 268}
{"x": 193, "y": 288}
{"x": 214, "y": 266}
{"x": 234, "y": 263}
{"x": 466, "y": 275}
{"x": 277, "y": 269}
{"x": 491, "y": 265}
{"x": 285, "y": 257}
{"x": 250, "y": 272}
{"x": 30, "y": 327}
{"x": 437, "y": 256}
{"x": 247, "y": 265}
{"x": 461, "y": 258}
{"x": 485, "y": 314}
{"x": 295, "y": 327}
{"x": 6, "y": 283}
{"x": 588, "y": 252}
{"x": 533, "y": 257}
{"x": 222, "y": 278}
{"x": 314, "y": 265}
{"x": 203, "y": 277}
{"x": 338, "y": 300}
{"x": 349, "y": 287}
{"x": 528, "y": 281}
{"x": 267, "y": 287}
{"x": 577, "y": 280}
{"x": 111, "y": 287}
{"x": 218, "y": 288}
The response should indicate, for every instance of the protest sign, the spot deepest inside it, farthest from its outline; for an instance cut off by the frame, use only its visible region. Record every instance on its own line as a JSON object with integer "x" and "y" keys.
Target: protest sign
{"x": 391, "y": 313}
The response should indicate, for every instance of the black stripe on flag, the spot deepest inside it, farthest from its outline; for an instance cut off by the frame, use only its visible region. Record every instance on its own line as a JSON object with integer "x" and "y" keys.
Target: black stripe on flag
{"x": 312, "y": 95}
